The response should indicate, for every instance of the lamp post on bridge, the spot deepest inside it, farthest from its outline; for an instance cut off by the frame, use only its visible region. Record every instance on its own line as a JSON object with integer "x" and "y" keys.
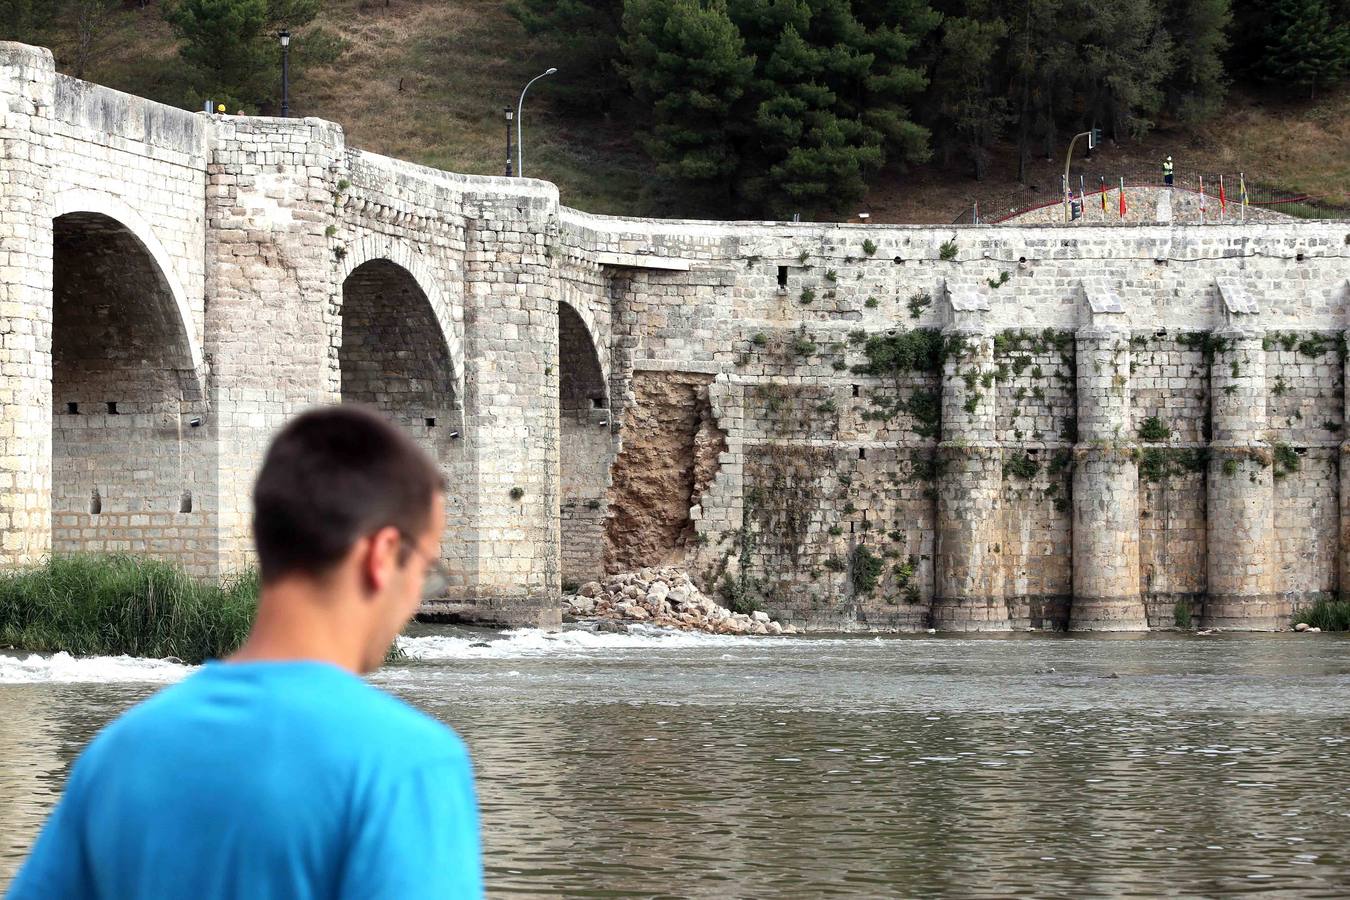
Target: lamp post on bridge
{"x": 285, "y": 38}
{"x": 520, "y": 106}
{"x": 509, "y": 116}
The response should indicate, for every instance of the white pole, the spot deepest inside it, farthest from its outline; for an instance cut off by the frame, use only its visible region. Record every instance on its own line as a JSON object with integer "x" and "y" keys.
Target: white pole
{"x": 520, "y": 141}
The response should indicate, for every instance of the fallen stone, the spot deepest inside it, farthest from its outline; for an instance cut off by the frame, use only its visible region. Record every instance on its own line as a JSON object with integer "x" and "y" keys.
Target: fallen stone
{"x": 590, "y": 589}
{"x": 760, "y": 615}
{"x": 1301, "y": 626}
{"x": 611, "y": 627}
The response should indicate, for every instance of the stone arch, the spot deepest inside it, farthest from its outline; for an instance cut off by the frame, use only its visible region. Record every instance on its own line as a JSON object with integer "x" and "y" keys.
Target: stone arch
{"x": 394, "y": 356}
{"x": 599, "y": 347}
{"x": 375, "y": 247}
{"x": 93, "y": 203}
{"x": 586, "y": 446}
{"x": 128, "y": 402}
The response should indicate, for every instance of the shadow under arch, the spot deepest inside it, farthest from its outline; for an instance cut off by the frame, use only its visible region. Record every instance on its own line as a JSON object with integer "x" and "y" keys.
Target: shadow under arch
{"x": 395, "y": 357}
{"x": 586, "y": 448}
{"x": 130, "y": 453}
{"x": 376, "y": 248}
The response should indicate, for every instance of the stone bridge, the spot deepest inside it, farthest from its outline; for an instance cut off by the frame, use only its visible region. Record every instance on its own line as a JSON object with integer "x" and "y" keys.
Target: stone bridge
{"x": 1126, "y": 421}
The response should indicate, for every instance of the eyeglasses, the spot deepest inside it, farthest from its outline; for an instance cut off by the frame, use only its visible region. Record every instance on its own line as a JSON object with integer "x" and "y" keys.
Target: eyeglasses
{"x": 437, "y": 579}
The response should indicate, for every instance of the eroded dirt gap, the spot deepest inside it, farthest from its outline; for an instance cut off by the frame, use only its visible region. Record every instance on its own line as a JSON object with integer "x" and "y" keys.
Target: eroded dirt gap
{"x": 669, "y": 457}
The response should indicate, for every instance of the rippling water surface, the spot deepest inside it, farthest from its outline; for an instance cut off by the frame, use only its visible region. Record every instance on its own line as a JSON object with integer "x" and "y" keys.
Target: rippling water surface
{"x": 660, "y": 765}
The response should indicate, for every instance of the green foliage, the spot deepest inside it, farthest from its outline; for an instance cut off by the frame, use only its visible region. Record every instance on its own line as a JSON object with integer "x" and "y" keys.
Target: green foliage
{"x": 918, "y": 302}
{"x": 1161, "y": 463}
{"x": 998, "y": 282}
{"x": 1154, "y": 429}
{"x": 803, "y": 345}
{"x": 230, "y": 50}
{"x": 1305, "y": 47}
{"x": 831, "y": 276}
{"x": 1328, "y": 614}
{"x": 108, "y": 605}
{"x": 1230, "y": 467}
{"x": 517, "y": 493}
{"x": 1181, "y": 614}
{"x": 580, "y": 37}
{"x": 866, "y": 570}
{"x": 869, "y": 246}
{"x": 1020, "y": 465}
{"x": 808, "y": 296}
{"x": 686, "y": 62}
{"x": 947, "y": 252}
{"x": 835, "y": 564}
{"x": 920, "y": 350}
{"x": 759, "y": 339}
{"x": 1286, "y": 459}
{"x": 871, "y": 303}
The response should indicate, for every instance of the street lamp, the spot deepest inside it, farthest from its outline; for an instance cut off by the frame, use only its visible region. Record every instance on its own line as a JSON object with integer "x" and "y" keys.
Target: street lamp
{"x": 285, "y": 38}
{"x": 520, "y": 142}
{"x": 509, "y": 116}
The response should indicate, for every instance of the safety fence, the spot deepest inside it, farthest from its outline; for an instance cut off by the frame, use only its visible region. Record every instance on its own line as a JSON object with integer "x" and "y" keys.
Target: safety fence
{"x": 1087, "y": 190}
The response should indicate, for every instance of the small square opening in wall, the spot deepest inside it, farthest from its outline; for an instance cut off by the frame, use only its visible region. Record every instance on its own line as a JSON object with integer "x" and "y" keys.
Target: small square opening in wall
{"x": 185, "y": 502}
{"x": 431, "y": 421}
{"x": 862, "y": 453}
{"x": 855, "y": 390}
{"x": 73, "y": 409}
{"x": 782, "y": 276}
{"x": 597, "y": 403}
{"x": 95, "y": 503}
{"x": 112, "y": 408}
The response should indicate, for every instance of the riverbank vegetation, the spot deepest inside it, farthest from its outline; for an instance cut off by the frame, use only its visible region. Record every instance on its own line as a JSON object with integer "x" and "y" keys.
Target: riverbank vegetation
{"x": 108, "y": 605}
{"x": 1328, "y": 614}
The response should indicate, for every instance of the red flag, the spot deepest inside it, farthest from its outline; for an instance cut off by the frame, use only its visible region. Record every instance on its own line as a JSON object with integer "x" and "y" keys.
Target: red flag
{"x": 1122, "y": 198}
{"x": 1223, "y": 198}
{"x": 1103, "y": 180}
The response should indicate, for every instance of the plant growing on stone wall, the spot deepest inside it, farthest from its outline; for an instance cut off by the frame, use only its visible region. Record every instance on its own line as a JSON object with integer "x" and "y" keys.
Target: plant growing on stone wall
{"x": 759, "y": 339}
{"x": 340, "y": 253}
{"x": 831, "y": 276}
{"x": 1154, "y": 429}
{"x": 808, "y": 296}
{"x": 1181, "y": 614}
{"x": 1281, "y": 387}
{"x": 1160, "y": 463}
{"x": 866, "y": 570}
{"x": 839, "y": 365}
{"x": 1331, "y": 426}
{"x": 803, "y": 257}
{"x": 517, "y": 493}
{"x": 1286, "y": 459}
{"x": 835, "y": 564}
{"x": 918, "y": 302}
{"x": 803, "y": 345}
{"x": 947, "y": 252}
{"x": 869, "y": 247}
{"x": 834, "y": 531}
{"x": 594, "y": 504}
{"x": 1230, "y": 467}
{"x": 972, "y": 403}
{"x": 330, "y": 231}
{"x": 998, "y": 282}
{"x": 870, "y": 303}
{"x": 1020, "y": 465}
{"x": 827, "y": 408}
{"x": 857, "y": 336}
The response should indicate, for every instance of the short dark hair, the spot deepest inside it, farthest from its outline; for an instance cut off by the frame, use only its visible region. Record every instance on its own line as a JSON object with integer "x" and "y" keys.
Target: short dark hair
{"x": 331, "y": 476}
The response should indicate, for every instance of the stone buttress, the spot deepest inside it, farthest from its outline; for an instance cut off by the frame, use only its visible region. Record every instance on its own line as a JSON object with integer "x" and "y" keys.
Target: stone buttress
{"x": 969, "y": 576}
{"x": 1105, "y": 477}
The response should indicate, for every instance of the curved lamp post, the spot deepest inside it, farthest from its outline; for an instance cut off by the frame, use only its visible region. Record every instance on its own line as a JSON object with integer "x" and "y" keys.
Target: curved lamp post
{"x": 520, "y": 143}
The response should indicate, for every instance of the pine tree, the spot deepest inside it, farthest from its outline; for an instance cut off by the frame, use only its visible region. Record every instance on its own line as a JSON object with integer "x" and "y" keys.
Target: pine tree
{"x": 1199, "y": 31}
{"x": 28, "y": 21}
{"x": 686, "y": 61}
{"x": 1306, "y": 47}
{"x": 230, "y": 47}
{"x": 581, "y": 38}
{"x": 967, "y": 105}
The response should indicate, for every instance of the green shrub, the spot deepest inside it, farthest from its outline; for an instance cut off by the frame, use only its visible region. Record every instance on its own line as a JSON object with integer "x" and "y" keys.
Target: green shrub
{"x": 866, "y": 570}
{"x": 110, "y": 605}
{"x": 1328, "y": 614}
{"x": 869, "y": 246}
{"x": 1020, "y": 465}
{"x": 1154, "y": 429}
{"x": 1181, "y": 614}
{"x": 1286, "y": 460}
{"x": 947, "y": 252}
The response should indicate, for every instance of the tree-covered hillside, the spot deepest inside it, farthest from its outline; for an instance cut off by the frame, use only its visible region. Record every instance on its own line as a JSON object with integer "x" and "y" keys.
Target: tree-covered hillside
{"x": 912, "y": 109}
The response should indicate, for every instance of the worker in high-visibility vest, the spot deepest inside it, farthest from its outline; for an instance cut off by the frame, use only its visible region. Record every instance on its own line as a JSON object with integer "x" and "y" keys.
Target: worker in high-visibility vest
{"x": 1167, "y": 172}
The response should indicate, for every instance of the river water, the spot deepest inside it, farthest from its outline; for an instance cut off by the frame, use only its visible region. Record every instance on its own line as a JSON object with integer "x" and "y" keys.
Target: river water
{"x": 665, "y": 765}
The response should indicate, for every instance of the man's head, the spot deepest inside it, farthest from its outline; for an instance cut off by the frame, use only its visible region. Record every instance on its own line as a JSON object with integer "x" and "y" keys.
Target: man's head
{"x": 348, "y": 504}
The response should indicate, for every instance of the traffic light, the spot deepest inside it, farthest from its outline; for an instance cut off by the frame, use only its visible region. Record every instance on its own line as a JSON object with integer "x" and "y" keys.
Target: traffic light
{"x": 1094, "y": 138}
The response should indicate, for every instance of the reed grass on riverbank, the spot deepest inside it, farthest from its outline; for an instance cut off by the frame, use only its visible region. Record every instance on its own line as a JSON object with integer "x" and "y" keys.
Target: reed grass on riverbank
{"x": 107, "y": 605}
{"x": 1327, "y": 614}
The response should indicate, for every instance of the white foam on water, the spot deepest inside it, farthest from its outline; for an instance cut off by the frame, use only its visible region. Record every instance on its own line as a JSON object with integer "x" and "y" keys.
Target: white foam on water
{"x": 535, "y": 642}
{"x": 62, "y": 668}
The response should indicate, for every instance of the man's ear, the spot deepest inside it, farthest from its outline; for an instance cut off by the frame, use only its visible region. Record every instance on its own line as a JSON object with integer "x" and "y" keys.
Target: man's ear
{"x": 382, "y": 557}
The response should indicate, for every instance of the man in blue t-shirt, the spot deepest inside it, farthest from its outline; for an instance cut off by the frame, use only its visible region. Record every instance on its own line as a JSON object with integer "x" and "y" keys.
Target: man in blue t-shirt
{"x": 279, "y": 772}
